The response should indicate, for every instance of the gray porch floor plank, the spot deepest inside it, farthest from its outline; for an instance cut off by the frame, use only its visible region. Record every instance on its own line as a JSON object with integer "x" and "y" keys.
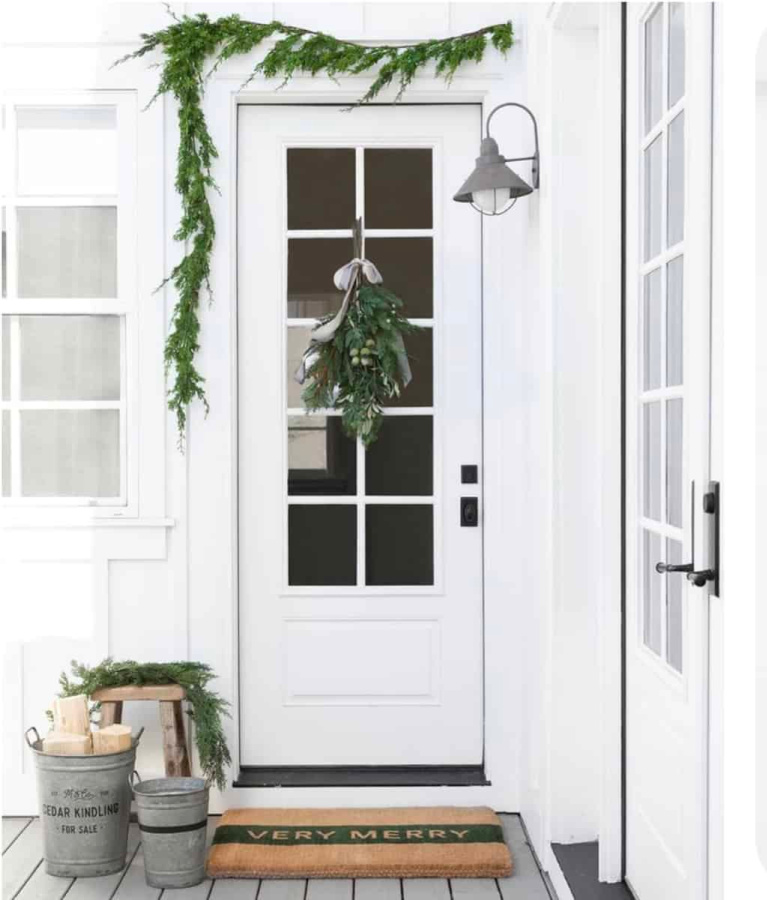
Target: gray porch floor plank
{"x": 24, "y": 877}
{"x": 134, "y": 886}
{"x": 330, "y": 889}
{"x": 474, "y": 889}
{"x": 234, "y": 889}
{"x": 377, "y": 889}
{"x": 12, "y": 828}
{"x": 426, "y": 889}
{"x": 21, "y": 860}
{"x": 289, "y": 889}
{"x": 42, "y": 886}
{"x": 526, "y": 882}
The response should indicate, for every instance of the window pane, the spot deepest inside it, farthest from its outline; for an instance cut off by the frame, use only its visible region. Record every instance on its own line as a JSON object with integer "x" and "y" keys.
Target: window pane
{"x": 312, "y": 262}
{"x": 6, "y": 452}
{"x": 398, "y": 190}
{"x": 674, "y": 457}
{"x": 6, "y": 392}
{"x": 67, "y": 251}
{"x": 651, "y": 456}
{"x": 401, "y": 461}
{"x": 652, "y": 330}
{"x": 298, "y": 341}
{"x": 674, "y": 586}
{"x": 3, "y": 254}
{"x": 675, "y": 211}
{"x": 652, "y": 595}
{"x": 400, "y": 545}
{"x": 70, "y": 357}
{"x": 653, "y": 61}
{"x": 321, "y": 187}
{"x": 653, "y": 191}
{"x": 322, "y": 545}
{"x": 70, "y": 453}
{"x": 321, "y": 458}
{"x": 420, "y": 391}
{"x": 67, "y": 150}
{"x": 675, "y": 52}
{"x": 675, "y": 321}
{"x": 407, "y": 267}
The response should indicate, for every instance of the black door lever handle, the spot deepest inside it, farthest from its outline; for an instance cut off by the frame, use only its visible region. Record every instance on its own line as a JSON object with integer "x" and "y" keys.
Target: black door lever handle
{"x": 664, "y": 568}
{"x": 702, "y": 577}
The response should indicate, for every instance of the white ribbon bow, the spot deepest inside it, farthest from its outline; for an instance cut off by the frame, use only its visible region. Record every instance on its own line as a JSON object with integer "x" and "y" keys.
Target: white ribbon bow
{"x": 345, "y": 279}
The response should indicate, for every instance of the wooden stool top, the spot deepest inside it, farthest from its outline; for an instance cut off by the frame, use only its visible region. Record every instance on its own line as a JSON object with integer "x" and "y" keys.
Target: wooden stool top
{"x": 140, "y": 692}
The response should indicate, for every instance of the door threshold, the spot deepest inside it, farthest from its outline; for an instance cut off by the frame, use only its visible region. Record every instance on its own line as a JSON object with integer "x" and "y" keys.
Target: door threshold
{"x": 579, "y": 864}
{"x": 360, "y": 776}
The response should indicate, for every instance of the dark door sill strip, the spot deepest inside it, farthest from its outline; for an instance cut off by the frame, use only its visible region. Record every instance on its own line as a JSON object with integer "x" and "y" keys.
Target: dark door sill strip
{"x": 580, "y": 866}
{"x": 361, "y": 776}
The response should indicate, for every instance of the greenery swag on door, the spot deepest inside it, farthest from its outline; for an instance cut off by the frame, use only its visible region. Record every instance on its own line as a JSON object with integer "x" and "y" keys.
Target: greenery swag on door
{"x": 186, "y": 46}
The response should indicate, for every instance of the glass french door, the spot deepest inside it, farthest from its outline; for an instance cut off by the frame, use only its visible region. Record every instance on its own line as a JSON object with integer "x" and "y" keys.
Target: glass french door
{"x": 669, "y": 98}
{"x": 360, "y": 589}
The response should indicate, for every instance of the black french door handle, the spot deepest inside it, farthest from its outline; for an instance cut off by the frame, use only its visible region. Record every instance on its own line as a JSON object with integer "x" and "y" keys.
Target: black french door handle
{"x": 664, "y": 568}
{"x": 699, "y": 579}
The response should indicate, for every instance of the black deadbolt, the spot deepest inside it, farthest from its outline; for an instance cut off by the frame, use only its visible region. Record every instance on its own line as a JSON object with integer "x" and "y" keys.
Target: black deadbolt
{"x": 469, "y": 512}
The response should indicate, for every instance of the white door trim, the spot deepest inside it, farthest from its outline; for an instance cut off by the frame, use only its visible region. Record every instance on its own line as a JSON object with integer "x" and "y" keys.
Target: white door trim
{"x": 212, "y": 474}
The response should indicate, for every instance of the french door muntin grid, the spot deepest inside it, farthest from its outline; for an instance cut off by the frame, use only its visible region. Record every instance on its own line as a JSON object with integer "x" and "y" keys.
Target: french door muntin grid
{"x": 13, "y": 308}
{"x": 359, "y": 498}
{"x": 659, "y": 262}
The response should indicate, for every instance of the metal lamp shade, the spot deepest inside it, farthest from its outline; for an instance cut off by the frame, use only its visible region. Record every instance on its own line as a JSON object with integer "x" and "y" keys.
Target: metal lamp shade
{"x": 491, "y": 173}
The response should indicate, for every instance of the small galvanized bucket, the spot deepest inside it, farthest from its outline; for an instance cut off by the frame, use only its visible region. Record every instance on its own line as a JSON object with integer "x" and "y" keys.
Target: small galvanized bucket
{"x": 172, "y": 815}
{"x": 85, "y": 809}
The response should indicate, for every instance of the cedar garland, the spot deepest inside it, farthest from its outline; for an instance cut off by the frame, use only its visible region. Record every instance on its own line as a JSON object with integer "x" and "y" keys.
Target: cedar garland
{"x": 205, "y": 707}
{"x": 187, "y": 45}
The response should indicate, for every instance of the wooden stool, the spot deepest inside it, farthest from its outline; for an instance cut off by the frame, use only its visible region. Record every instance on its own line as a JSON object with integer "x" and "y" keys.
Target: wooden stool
{"x": 171, "y": 718}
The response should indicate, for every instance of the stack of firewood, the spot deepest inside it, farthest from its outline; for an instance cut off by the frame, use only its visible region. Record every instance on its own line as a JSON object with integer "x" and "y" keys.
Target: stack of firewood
{"x": 71, "y": 734}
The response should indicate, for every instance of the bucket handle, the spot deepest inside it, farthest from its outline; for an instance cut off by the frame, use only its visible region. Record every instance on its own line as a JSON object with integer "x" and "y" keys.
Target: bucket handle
{"x": 132, "y": 778}
{"x": 138, "y": 735}
{"x": 37, "y": 737}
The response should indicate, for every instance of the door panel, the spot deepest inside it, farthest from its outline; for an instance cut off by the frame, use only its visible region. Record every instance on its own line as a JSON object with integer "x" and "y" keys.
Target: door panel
{"x": 669, "y": 54}
{"x": 360, "y": 593}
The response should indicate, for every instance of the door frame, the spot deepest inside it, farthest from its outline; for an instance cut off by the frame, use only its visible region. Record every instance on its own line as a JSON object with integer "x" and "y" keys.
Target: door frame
{"x": 411, "y": 773}
{"x": 714, "y": 721}
{"x": 208, "y": 472}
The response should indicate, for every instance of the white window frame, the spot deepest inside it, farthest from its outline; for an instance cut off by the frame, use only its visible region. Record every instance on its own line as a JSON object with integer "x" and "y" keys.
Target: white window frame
{"x": 361, "y": 499}
{"x": 660, "y": 262}
{"x": 124, "y": 305}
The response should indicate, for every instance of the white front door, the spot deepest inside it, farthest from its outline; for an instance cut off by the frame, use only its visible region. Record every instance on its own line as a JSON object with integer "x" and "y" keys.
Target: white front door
{"x": 360, "y": 592}
{"x": 669, "y": 117}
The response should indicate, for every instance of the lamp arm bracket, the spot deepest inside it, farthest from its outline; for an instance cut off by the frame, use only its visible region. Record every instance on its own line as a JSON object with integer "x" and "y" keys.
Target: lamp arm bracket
{"x": 536, "y": 157}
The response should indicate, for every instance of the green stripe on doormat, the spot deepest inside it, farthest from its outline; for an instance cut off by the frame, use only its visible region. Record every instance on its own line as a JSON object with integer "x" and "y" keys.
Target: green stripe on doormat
{"x": 295, "y": 835}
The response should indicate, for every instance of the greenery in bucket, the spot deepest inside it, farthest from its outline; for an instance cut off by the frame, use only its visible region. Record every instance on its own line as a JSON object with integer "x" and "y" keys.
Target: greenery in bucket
{"x": 206, "y": 708}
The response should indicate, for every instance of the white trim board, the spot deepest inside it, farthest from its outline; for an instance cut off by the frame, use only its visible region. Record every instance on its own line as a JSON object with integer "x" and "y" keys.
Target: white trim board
{"x": 212, "y": 449}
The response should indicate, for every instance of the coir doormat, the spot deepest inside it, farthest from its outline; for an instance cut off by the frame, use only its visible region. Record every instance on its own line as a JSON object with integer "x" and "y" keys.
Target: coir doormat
{"x": 422, "y": 842}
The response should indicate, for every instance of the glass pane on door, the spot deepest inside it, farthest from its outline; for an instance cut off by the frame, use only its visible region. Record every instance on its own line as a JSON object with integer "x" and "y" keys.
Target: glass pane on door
{"x": 384, "y": 543}
{"x": 663, "y": 482}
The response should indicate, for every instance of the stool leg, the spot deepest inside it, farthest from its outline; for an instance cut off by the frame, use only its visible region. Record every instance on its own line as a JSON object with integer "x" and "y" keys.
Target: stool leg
{"x": 111, "y": 713}
{"x": 174, "y": 739}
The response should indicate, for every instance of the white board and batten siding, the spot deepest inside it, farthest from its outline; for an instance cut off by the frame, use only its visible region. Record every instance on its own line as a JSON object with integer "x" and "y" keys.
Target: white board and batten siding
{"x": 160, "y": 583}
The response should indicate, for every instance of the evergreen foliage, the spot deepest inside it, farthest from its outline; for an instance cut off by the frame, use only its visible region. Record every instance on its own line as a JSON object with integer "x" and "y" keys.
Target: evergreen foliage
{"x": 358, "y": 371}
{"x": 206, "y": 708}
{"x": 187, "y": 46}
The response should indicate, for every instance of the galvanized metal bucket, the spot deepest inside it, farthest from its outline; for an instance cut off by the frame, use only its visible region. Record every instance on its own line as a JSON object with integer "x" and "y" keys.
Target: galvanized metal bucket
{"x": 84, "y": 808}
{"x": 172, "y": 815}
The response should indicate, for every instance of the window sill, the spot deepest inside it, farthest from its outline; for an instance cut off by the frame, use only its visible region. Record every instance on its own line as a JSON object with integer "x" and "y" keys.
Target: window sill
{"x": 54, "y": 518}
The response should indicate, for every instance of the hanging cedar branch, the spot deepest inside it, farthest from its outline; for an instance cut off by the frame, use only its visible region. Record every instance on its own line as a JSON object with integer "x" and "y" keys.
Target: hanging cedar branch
{"x": 188, "y": 46}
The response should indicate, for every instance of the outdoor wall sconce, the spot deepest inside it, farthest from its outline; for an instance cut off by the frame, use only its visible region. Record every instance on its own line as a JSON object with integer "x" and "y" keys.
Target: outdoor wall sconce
{"x": 493, "y": 188}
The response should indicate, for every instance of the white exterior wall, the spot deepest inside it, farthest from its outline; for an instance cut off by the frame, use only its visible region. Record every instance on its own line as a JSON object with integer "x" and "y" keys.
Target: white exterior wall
{"x": 162, "y": 586}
